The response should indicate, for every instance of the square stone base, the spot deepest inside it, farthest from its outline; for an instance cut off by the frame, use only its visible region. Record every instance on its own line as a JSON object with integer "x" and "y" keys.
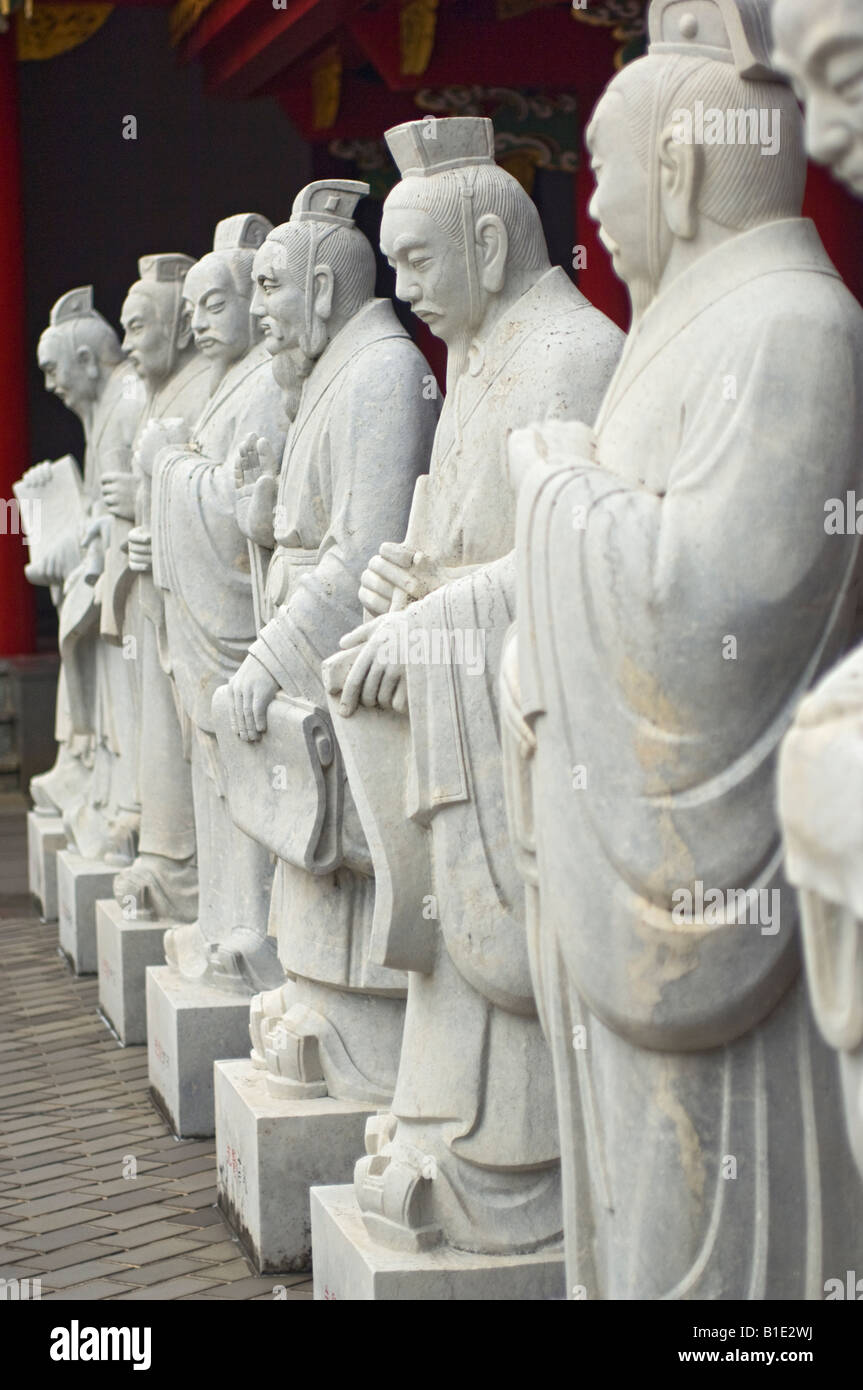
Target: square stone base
{"x": 189, "y": 1027}
{"x": 45, "y": 835}
{"x": 348, "y": 1264}
{"x": 125, "y": 949}
{"x": 270, "y": 1152}
{"x": 80, "y": 883}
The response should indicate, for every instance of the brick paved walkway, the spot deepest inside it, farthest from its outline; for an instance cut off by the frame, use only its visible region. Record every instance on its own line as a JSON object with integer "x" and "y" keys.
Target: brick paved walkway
{"x": 75, "y": 1119}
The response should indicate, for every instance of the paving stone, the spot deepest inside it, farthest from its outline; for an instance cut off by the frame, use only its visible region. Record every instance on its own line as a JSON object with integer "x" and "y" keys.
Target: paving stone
{"x": 98, "y": 1289}
{"x": 61, "y": 1240}
{"x": 161, "y": 1270}
{"x": 117, "y": 1222}
{"x": 81, "y": 1273}
{"x": 73, "y": 1107}
{"x": 174, "y": 1288}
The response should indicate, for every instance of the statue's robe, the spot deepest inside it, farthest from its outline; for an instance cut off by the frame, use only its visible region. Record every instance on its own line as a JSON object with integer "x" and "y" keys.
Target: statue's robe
{"x": 486, "y": 1098}
{"x": 361, "y": 436}
{"x": 201, "y": 566}
{"x": 677, "y": 596}
{"x": 821, "y": 816}
{"x": 94, "y": 713}
{"x": 166, "y": 842}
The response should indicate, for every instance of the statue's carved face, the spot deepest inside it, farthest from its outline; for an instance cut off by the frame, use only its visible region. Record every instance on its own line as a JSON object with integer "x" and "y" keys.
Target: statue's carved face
{"x": 619, "y": 202}
{"x": 278, "y": 302}
{"x": 71, "y": 374}
{"x": 431, "y": 271}
{"x": 820, "y": 48}
{"x": 147, "y": 340}
{"x": 219, "y": 313}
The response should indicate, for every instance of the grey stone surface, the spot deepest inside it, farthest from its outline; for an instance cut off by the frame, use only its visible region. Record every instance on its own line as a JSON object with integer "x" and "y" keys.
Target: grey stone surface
{"x": 674, "y": 605}
{"x": 270, "y": 1152}
{"x": 190, "y": 1026}
{"x": 470, "y": 1154}
{"x": 349, "y": 1264}
{"x": 45, "y": 836}
{"x": 124, "y": 951}
{"x": 821, "y": 48}
{"x": 80, "y": 884}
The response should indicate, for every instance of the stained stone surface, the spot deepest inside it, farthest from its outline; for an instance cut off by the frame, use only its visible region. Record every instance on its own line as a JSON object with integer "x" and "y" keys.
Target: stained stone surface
{"x": 190, "y": 1026}
{"x": 674, "y": 607}
{"x": 125, "y": 949}
{"x": 270, "y": 1152}
{"x": 80, "y": 884}
{"x": 45, "y": 836}
{"x": 350, "y": 1265}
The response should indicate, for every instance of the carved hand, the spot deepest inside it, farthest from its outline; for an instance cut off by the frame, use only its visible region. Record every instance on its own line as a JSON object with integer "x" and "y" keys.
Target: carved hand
{"x": 155, "y": 435}
{"x": 118, "y": 494}
{"x": 398, "y": 568}
{"x": 252, "y": 692}
{"x": 255, "y": 459}
{"x": 62, "y": 558}
{"x": 557, "y": 443}
{"x": 39, "y": 475}
{"x": 140, "y": 550}
{"x": 377, "y": 675}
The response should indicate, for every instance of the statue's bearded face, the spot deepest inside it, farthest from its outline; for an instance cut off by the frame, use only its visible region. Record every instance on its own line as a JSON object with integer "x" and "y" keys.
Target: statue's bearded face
{"x": 619, "y": 202}
{"x": 278, "y": 303}
{"x": 147, "y": 340}
{"x": 68, "y": 374}
{"x": 219, "y": 313}
{"x": 820, "y": 48}
{"x": 431, "y": 271}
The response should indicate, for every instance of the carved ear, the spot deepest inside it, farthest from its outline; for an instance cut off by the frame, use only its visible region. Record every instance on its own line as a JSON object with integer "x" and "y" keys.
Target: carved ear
{"x": 492, "y": 241}
{"x": 87, "y": 358}
{"x": 323, "y": 292}
{"x": 184, "y": 326}
{"x": 682, "y": 165}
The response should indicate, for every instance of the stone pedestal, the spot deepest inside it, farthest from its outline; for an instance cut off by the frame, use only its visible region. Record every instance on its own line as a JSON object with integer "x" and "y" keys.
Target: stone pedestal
{"x": 189, "y": 1027}
{"x": 270, "y": 1153}
{"x": 45, "y": 836}
{"x": 80, "y": 883}
{"x": 125, "y": 949}
{"x": 349, "y": 1265}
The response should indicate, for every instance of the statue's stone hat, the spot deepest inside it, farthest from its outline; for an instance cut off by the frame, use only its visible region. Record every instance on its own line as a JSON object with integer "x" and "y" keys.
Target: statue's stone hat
{"x": 245, "y": 231}
{"x": 430, "y": 146}
{"x": 74, "y": 304}
{"x": 329, "y": 200}
{"x": 728, "y": 31}
{"x": 165, "y": 268}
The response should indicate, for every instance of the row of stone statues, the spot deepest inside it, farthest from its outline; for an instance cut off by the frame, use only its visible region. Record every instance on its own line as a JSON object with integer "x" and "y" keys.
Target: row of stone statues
{"x": 461, "y": 864}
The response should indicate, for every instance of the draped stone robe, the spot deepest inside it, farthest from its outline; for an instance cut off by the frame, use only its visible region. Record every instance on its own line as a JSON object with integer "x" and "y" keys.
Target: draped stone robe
{"x": 474, "y": 1069}
{"x": 362, "y": 434}
{"x": 201, "y": 566}
{"x": 164, "y": 779}
{"x": 678, "y": 594}
{"x": 96, "y": 703}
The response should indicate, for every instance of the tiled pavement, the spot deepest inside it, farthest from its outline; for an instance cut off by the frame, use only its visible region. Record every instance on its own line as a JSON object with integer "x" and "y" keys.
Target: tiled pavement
{"x": 97, "y": 1199}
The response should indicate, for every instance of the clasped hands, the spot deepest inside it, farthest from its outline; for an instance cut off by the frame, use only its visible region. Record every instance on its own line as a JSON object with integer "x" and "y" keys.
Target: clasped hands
{"x": 370, "y": 670}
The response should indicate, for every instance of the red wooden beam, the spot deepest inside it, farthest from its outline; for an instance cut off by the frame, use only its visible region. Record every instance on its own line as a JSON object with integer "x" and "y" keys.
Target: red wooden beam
{"x": 239, "y": 62}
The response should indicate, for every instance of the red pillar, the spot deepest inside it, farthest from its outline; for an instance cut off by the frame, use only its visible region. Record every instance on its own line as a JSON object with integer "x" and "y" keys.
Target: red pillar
{"x": 17, "y": 629}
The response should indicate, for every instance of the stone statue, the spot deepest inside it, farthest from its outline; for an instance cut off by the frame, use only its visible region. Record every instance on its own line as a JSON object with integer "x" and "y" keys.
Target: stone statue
{"x": 677, "y": 595}
{"x": 200, "y": 562}
{"x": 820, "y": 791}
{"x": 92, "y": 783}
{"x": 361, "y": 436}
{"x": 162, "y": 881}
{"x": 469, "y": 1154}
